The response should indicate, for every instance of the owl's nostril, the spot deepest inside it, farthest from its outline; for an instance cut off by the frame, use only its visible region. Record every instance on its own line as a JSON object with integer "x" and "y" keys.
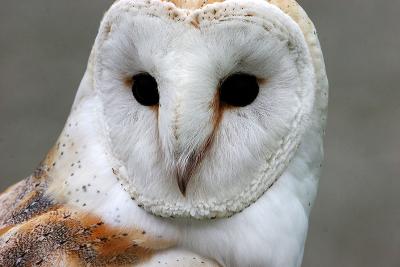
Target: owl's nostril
{"x": 239, "y": 90}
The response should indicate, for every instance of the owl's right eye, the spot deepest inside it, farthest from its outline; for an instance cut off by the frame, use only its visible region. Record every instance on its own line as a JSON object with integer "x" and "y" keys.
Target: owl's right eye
{"x": 145, "y": 89}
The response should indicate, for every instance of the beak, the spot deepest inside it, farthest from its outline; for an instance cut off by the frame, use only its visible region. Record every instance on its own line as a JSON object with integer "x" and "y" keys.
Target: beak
{"x": 189, "y": 122}
{"x": 186, "y": 170}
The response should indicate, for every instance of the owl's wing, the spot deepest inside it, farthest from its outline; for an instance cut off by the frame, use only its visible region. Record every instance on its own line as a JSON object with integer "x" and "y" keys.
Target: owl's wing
{"x": 37, "y": 231}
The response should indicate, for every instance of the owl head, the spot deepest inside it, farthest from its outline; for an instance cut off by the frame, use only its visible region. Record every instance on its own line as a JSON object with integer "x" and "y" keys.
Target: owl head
{"x": 201, "y": 106}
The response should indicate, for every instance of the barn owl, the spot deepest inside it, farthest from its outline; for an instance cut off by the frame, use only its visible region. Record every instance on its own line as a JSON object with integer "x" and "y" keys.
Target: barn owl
{"x": 195, "y": 139}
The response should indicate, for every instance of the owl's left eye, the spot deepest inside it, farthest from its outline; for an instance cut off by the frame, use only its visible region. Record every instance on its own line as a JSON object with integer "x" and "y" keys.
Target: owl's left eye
{"x": 145, "y": 89}
{"x": 239, "y": 90}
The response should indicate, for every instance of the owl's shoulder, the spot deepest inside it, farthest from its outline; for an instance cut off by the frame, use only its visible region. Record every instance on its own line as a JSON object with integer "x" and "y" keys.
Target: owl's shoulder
{"x": 35, "y": 230}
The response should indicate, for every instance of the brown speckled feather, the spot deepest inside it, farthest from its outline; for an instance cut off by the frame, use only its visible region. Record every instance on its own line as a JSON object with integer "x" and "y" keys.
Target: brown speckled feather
{"x": 36, "y": 231}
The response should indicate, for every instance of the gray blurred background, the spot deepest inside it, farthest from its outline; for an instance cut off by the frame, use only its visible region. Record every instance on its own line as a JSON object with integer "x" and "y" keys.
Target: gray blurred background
{"x": 44, "y": 46}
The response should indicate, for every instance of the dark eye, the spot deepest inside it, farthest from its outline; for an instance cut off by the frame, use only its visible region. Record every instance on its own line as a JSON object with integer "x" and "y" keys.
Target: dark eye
{"x": 145, "y": 89}
{"x": 239, "y": 90}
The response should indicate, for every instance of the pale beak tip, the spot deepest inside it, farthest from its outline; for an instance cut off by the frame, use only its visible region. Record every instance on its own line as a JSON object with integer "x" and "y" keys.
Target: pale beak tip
{"x": 182, "y": 186}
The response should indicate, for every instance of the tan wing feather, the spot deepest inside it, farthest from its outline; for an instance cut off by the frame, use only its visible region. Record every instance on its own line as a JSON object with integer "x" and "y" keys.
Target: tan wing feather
{"x": 35, "y": 230}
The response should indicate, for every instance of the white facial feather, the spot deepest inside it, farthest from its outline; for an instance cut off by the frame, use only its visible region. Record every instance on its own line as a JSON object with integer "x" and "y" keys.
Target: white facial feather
{"x": 259, "y": 173}
{"x": 248, "y": 148}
